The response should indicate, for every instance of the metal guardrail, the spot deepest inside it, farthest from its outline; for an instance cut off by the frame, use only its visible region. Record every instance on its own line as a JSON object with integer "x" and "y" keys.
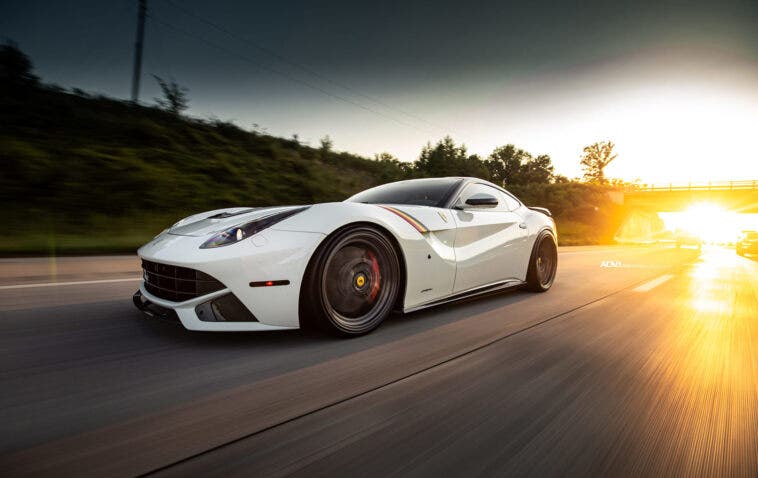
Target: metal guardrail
{"x": 709, "y": 186}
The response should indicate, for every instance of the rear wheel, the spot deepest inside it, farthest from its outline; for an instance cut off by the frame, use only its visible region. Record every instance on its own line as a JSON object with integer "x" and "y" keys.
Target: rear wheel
{"x": 543, "y": 263}
{"x": 352, "y": 283}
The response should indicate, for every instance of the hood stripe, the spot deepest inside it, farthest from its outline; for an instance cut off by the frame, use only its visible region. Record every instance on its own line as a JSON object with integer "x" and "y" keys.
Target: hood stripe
{"x": 417, "y": 225}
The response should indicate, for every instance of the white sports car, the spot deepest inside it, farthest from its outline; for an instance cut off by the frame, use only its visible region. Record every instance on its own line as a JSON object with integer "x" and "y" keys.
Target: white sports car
{"x": 345, "y": 266}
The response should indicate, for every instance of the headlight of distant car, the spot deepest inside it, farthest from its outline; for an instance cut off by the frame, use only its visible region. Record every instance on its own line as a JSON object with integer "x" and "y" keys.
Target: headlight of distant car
{"x": 242, "y": 231}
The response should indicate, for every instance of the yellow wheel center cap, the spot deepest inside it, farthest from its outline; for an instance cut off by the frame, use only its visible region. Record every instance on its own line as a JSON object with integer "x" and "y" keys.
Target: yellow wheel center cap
{"x": 360, "y": 280}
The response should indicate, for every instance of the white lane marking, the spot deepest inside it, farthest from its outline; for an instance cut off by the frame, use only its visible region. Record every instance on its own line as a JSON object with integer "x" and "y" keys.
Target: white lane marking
{"x": 650, "y": 285}
{"x": 54, "y": 284}
{"x": 594, "y": 251}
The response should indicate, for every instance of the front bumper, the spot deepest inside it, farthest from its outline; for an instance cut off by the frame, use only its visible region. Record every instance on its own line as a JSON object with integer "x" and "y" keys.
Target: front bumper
{"x": 186, "y": 313}
{"x": 272, "y": 255}
{"x": 154, "y": 311}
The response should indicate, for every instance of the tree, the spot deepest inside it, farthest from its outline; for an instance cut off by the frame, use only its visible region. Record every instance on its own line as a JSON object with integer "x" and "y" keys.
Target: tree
{"x": 536, "y": 170}
{"x": 15, "y": 67}
{"x": 439, "y": 159}
{"x": 174, "y": 96}
{"x": 504, "y": 164}
{"x": 385, "y": 157}
{"x": 448, "y": 159}
{"x": 326, "y": 143}
{"x": 508, "y": 165}
{"x": 326, "y": 146}
{"x": 595, "y": 159}
{"x": 391, "y": 168}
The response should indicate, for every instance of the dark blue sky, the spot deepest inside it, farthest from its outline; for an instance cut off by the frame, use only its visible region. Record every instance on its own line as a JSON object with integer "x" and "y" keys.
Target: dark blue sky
{"x": 486, "y": 72}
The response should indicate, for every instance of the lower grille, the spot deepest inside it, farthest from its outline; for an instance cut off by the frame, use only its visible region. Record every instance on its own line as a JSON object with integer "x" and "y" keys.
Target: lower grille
{"x": 226, "y": 308}
{"x": 177, "y": 284}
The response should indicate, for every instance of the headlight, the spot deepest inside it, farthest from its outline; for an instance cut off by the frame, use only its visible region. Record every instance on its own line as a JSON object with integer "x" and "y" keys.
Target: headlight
{"x": 242, "y": 231}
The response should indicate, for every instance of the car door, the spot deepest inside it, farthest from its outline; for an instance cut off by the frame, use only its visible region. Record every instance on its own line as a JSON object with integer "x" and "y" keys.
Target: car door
{"x": 491, "y": 238}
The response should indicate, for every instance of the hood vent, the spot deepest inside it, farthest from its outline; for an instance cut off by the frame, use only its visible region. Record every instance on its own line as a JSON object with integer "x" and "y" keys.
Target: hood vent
{"x": 224, "y": 215}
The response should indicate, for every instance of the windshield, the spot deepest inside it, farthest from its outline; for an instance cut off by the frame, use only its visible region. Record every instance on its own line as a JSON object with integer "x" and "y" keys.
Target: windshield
{"x": 419, "y": 192}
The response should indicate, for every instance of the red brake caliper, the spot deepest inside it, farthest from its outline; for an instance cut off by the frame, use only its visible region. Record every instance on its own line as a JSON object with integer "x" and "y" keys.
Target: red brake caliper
{"x": 376, "y": 276}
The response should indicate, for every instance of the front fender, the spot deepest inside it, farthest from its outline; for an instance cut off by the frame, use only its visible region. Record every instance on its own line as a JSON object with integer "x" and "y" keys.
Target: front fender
{"x": 429, "y": 257}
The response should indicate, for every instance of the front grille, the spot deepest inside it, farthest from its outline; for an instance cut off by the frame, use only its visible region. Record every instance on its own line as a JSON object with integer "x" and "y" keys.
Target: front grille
{"x": 177, "y": 284}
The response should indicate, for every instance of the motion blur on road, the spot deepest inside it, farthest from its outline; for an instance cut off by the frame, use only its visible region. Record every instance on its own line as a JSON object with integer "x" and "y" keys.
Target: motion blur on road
{"x": 628, "y": 122}
{"x": 639, "y": 361}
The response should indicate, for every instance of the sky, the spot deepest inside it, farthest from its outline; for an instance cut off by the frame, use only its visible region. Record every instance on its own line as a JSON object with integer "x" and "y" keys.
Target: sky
{"x": 673, "y": 84}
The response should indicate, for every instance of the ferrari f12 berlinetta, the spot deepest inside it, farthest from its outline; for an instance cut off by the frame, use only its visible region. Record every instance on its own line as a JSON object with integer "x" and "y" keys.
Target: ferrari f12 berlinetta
{"x": 345, "y": 266}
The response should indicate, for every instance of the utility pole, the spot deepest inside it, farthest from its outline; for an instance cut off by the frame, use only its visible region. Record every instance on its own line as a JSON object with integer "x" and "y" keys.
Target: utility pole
{"x": 138, "y": 50}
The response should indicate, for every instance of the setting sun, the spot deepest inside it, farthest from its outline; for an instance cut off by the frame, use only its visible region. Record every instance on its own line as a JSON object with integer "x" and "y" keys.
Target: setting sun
{"x": 708, "y": 221}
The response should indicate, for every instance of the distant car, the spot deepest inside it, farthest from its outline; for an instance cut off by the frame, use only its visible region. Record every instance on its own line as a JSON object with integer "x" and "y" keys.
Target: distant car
{"x": 747, "y": 243}
{"x": 344, "y": 266}
{"x": 685, "y": 238}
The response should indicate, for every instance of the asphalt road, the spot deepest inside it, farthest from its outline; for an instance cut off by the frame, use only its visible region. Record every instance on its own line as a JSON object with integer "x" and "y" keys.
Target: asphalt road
{"x": 639, "y": 361}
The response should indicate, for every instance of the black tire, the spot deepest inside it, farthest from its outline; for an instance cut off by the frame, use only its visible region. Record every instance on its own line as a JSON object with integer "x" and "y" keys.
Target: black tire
{"x": 543, "y": 263}
{"x": 352, "y": 282}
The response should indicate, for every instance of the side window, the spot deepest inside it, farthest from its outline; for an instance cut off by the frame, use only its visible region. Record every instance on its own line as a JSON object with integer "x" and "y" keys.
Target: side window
{"x": 476, "y": 188}
{"x": 506, "y": 202}
{"x": 511, "y": 202}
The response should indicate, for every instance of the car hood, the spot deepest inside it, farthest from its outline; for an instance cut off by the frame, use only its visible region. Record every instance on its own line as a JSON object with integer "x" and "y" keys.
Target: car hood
{"x": 222, "y": 219}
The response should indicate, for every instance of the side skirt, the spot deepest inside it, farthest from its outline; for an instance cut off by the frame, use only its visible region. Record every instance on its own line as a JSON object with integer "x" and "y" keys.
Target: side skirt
{"x": 476, "y": 291}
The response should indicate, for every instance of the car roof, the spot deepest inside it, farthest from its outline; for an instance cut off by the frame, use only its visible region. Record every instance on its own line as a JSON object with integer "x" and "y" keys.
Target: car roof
{"x": 466, "y": 179}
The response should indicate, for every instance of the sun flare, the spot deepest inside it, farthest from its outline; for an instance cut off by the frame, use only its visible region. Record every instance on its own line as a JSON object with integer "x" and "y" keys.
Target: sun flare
{"x": 708, "y": 221}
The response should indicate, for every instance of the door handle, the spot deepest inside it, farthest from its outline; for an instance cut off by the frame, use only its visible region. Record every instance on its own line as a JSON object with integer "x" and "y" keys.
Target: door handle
{"x": 522, "y": 225}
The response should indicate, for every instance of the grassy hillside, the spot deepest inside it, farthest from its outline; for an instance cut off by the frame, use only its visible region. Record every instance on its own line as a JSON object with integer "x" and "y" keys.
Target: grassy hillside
{"x": 84, "y": 174}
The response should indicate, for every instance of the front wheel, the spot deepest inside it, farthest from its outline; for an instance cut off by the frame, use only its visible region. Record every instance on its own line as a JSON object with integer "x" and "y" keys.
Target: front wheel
{"x": 543, "y": 263}
{"x": 352, "y": 283}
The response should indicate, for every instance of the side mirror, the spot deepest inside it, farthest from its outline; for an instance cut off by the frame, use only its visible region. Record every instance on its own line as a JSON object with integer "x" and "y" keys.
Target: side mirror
{"x": 482, "y": 200}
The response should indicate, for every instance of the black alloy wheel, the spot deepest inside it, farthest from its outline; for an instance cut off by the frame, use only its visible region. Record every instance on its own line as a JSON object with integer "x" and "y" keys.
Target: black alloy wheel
{"x": 543, "y": 263}
{"x": 354, "y": 282}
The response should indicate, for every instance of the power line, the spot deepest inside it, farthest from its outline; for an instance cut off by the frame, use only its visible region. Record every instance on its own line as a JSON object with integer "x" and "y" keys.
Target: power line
{"x": 280, "y": 73}
{"x": 300, "y": 66}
